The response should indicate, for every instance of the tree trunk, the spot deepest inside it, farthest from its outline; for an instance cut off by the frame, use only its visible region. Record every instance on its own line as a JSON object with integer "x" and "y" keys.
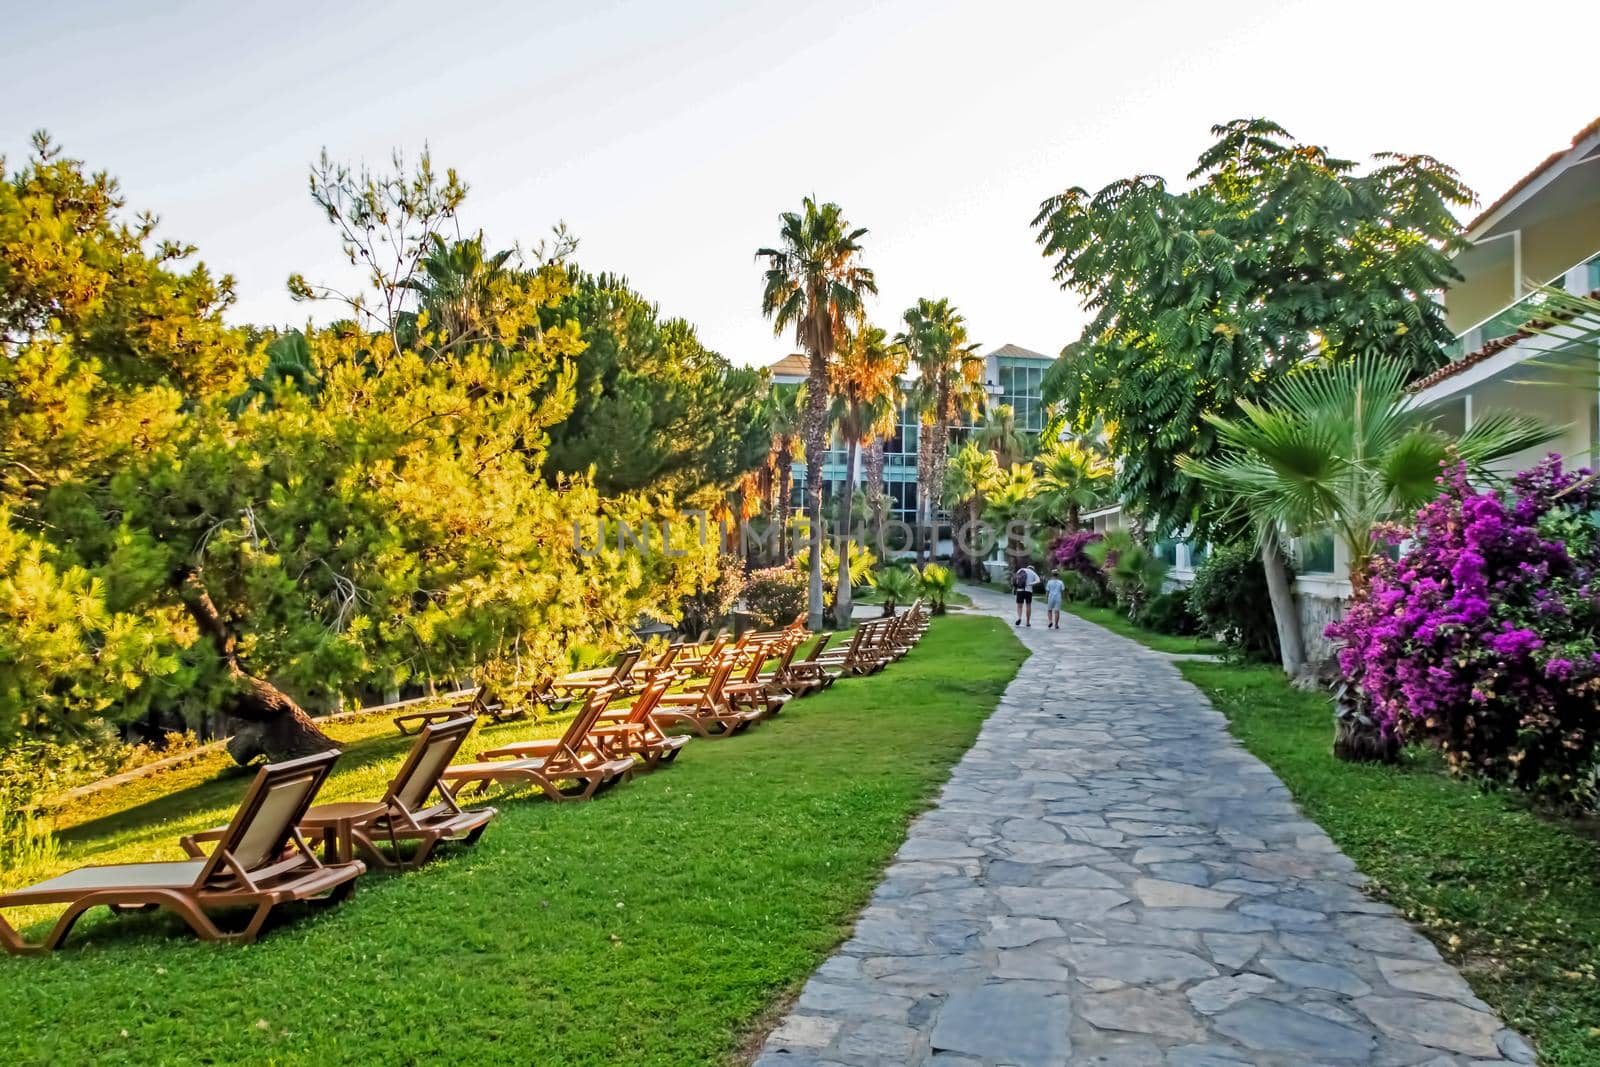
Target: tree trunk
{"x": 877, "y": 499}
{"x": 936, "y": 466}
{"x": 816, "y": 448}
{"x": 842, "y": 606}
{"x": 1074, "y": 517}
{"x": 1290, "y": 649}
{"x": 924, "y": 483}
{"x": 264, "y": 720}
{"x": 1357, "y": 737}
{"x": 785, "y": 510}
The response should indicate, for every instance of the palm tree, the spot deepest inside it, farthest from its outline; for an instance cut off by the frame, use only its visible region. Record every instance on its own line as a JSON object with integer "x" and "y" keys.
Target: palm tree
{"x": 783, "y": 423}
{"x": 949, "y": 384}
{"x": 814, "y": 283}
{"x": 999, "y": 434}
{"x": 972, "y": 474}
{"x": 1072, "y": 476}
{"x": 1339, "y": 447}
{"x": 1012, "y": 499}
{"x": 866, "y": 375}
{"x": 882, "y": 415}
{"x": 460, "y": 286}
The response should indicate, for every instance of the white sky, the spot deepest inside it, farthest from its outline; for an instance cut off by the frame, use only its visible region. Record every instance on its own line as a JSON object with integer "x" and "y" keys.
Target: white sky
{"x": 669, "y": 135}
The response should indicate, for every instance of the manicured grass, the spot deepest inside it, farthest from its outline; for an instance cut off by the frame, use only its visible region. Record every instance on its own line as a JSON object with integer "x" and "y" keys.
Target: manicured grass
{"x": 1118, "y": 622}
{"x": 1512, "y": 898}
{"x": 652, "y": 926}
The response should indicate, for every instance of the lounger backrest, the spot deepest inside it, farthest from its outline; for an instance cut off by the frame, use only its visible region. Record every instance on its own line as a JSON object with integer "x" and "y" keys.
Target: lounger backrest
{"x": 435, "y": 747}
{"x": 650, "y": 698}
{"x": 789, "y": 649}
{"x": 818, "y": 648}
{"x": 578, "y": 729}
{"x": 272, "y": 806}
{"x": 625, "y": 661}
{"x": 719, "y": 677}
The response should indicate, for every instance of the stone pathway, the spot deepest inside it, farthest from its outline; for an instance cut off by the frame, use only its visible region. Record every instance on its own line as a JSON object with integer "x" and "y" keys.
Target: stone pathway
{"x": 1109, "y": 878}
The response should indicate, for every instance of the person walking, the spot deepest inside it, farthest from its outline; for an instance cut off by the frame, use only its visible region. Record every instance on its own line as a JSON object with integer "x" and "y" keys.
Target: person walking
{"x": 1052, "y": 600}
{"x": 1022, "y": 583}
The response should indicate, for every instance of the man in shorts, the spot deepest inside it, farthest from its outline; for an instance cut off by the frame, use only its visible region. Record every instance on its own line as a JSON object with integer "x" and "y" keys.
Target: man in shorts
{"x": 1022, "y": 583}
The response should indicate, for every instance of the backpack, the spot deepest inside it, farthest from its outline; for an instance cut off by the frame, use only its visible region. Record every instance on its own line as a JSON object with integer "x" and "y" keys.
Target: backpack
{"x": 1019, "y": 580}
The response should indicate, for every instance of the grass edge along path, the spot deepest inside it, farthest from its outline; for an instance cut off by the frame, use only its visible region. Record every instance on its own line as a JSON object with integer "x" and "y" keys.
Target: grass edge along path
{"x": 1511, "y": 898}
{"x": 652, "y": 926}
{"x": 1115, "y": 620}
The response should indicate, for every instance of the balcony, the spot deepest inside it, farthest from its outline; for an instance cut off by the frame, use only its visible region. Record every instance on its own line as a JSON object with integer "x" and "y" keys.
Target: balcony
{"x": 1581, "y": 279}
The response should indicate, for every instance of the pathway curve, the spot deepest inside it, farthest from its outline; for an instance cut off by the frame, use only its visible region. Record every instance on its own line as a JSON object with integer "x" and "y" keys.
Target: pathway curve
{"x": 1109, "y": 878}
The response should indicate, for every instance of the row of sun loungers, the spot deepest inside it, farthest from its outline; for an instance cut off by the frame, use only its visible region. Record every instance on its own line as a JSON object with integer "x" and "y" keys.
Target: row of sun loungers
{"x": 262, "y": 858}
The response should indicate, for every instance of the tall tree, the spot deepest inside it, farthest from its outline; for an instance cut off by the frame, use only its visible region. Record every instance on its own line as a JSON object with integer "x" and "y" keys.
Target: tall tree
{"x": 785, "y": 414}
{"x": 972, "y": 475}
{"x": 999, "y": 434}
{"x": 653, "y": 406}
{"x": 814, "y": 284}
{"x": 949, "y": 385}
{"x": 866, "y": 380}
{"x": 1278, "y": 256}
{"x": 1072, "y": 476}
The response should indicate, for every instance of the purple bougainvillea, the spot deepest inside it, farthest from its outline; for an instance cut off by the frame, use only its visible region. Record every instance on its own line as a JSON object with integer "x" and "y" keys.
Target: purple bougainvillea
{"x": 1481, "y": 637}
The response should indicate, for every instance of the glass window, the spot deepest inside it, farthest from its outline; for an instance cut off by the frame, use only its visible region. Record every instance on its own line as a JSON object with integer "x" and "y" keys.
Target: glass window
{"x": 1316, "y": 553}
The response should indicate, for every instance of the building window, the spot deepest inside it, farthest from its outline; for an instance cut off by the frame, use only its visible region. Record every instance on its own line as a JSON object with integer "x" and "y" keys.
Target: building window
{"x": 1021, "y": 386}
{"x": 1316, "y": 553}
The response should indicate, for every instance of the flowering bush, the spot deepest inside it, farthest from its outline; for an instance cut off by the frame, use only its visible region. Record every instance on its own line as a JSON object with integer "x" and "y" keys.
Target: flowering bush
{"x": 1481, "y": 637}
{"x": 1067, "y": 554}
{"x": 775, "y": 595}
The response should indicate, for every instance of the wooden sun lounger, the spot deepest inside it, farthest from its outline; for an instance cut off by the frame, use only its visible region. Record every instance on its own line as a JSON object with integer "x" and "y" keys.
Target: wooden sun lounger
{"x": 260, "y": 862}
{"x": 615, "y": 677}
{"x": 481, "y": 704}
{"x": 619, "y": 733}
{"x": 809, "y": 675}
{"x": 707, "y": 711}
{"x": 403, "y": 815}
{"x": 571, "y": 759}
{"x": 760, "y": 694}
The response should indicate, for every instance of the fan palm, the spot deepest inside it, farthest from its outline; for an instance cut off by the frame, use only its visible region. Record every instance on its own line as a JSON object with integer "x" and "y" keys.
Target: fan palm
{"x": 461, "y": 287}
{"x": 814, "y": 283}
{"x": 999, "y": 434}
{"x": 1072, "y": 476}
{"x": 949, "y": 385}
{"x": 937, "y": 585}
{"x": 866, "y": 374}
{"x": 1011, "y": 500}
{"x": 1340, "y": 447}
{"x": 971, "y": 475}
{"x": 896, "y": 585}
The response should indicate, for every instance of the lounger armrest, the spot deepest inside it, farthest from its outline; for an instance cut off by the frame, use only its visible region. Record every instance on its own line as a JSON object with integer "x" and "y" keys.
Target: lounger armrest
{"x": 190, "y": 843}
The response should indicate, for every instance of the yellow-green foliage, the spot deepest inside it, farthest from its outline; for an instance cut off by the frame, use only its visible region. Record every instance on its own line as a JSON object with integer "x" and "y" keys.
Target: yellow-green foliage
{"x": 367, "y": 509}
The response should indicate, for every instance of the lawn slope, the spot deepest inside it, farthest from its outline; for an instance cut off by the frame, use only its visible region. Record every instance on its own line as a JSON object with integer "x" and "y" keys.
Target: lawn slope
{"x": 652, "y": 926}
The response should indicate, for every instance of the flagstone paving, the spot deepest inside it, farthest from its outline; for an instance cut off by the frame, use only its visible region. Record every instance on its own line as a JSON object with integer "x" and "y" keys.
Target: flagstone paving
{"x": 1109, "y": 878}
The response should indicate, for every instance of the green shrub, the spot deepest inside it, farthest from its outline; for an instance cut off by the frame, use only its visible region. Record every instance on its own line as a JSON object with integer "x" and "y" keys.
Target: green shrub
{"x": 938, "y": 582}
{"x": 1229, "y": 596}
{"x": 775, "y": 595}
{"x": 898, "y": 585}
{"x": 1169, "y": 613}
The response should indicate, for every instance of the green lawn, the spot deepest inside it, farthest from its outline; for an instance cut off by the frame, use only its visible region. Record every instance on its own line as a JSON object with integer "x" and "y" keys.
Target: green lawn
{"x": 1512, "y": 898}
{"x": 1118, "y": 622}
{"x": 652, "y": 926}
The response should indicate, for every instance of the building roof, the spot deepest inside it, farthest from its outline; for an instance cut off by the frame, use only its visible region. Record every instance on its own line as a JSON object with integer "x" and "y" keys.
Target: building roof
{"x": 794, "y": 365}
{"x": 1522, "y": 183}
{"x": 1473, "y": 358}
{"x": 1018, "y": 352}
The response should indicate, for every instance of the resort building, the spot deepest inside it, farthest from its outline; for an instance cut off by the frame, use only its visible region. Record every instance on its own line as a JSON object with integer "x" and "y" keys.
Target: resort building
{"x": 1012, "y": 375}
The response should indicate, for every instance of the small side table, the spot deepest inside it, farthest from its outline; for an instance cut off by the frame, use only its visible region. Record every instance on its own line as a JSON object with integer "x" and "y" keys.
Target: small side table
{"x": 336, "y": 824}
